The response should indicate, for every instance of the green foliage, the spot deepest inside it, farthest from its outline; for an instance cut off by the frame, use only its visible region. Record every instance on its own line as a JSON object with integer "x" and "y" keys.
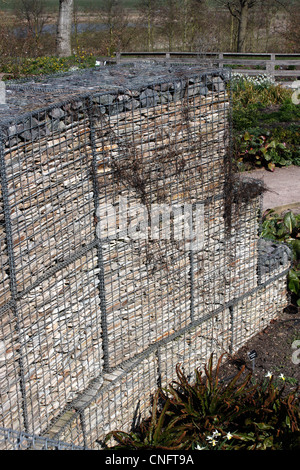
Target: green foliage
{"x": 46, "y": 65}
{"x": 248, "y": 94}
{"x": 241, "y": 82}
{"x": 286, "y": 228}
{"x": 265, "y": 123}
{"x": 287, "y": 112}
{"x": 258, "y": 150}
{"x": 160, "y": 431}
{"x": 212, "y": 414}
{"x": 294, "y": 283}
{"x": 257, "y": 111}
{"x": 289, "y": 134}
{"x": 244, "y": 117}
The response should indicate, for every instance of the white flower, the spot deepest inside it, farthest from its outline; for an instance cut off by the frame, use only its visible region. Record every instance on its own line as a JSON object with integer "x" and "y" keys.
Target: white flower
{"x": 229, "y": 436}
{"x": 259, "y": 80}
{"x": 212, "y": 440}
{"x": 282, "y": 377}
{"x": 199, "y": 447}
{"x": 269, "y": 375}
{"x": 216, "y": 433}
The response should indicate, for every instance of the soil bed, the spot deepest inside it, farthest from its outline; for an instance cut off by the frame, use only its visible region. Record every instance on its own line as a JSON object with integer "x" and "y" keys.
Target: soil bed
{"x": 276, "y": 351}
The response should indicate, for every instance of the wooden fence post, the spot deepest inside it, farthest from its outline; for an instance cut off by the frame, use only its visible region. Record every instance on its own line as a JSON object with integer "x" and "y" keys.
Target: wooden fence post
{"x": 221, "y": 57}
{"x": 270, "y": 66}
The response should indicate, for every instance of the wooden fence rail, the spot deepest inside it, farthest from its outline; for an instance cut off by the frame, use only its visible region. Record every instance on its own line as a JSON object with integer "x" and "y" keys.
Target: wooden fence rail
{"x": 279, "y": 66}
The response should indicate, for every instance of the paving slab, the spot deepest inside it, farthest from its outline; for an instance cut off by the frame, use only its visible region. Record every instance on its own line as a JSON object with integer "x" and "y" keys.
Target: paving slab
{"x": 283, "y": 186}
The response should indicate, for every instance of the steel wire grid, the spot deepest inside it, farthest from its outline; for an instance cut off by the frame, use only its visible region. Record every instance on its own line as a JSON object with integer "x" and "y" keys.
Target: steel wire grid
{"x": 20, "y": 440}
{"x": 91, "y": 325}
{"x": 153, "y": 161}
{"x": 53, "y": 269}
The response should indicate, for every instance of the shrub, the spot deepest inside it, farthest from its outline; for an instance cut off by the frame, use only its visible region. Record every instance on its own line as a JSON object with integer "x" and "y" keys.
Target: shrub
{"x": 255, "y": 149}
{"x": 265, "y": 123}
{"x": 46, "y": 65}
{"x": 286, "y": 228}
{"x": 211, "y": 414}
{"x": 240, "y": 81}
{"x": 259, "y": 91}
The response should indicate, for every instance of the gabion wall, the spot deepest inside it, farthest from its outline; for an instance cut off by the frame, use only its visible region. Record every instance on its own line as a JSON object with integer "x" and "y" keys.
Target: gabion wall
{"x": 128, "y": 246}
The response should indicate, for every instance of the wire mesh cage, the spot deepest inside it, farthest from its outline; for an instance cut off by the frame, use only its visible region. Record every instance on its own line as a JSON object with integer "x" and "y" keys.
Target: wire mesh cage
{"x": 21, "y": 440}
{"x": 118, "y": 256}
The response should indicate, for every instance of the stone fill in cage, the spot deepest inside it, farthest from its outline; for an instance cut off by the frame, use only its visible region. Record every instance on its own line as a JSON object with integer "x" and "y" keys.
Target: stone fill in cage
{"x": 128, "y": 244}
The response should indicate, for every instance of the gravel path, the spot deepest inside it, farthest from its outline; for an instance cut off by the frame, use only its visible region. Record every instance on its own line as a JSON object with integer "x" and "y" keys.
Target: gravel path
{"x": 283, "y": 184}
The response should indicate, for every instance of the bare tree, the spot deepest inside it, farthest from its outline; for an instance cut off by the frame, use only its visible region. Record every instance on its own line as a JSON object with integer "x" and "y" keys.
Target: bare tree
{"x": 169, "y": 20}
{"x": 64, "y": 28}
{"x": 240, "y": 9}
{"x": 292, "y": 31}
{"x": 190, "y": 21}
{"x": 115, "y": 18}
{"x": 148, "y": 14}
{"x": 35, "y": 14}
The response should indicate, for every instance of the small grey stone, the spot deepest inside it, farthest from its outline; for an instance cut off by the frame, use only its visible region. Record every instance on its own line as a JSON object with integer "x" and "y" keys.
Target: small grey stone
{"x": 77, "y": 105}
{"x": 12, "y": 130}
{"x": 226, "y": 74}
{"x": 123, "y": 98}
{"x": 218, "y": 84}
{"x": 203, "y": 90}
{"x": 165, "y": 97}
{"x": 197, "y": 90}
{"x": 149, "y": 98}
{"x": 273, "y": 255}
{"x": 56, "y": 113}
{"x": 29, "y": 135}
{"x": 61, "y": 126}
{"x": 55, "y": 125}
{"x": 106, "y": 99}
{"x": 27, "y": 130}
{"x": 28, "y": 124}
{"x": 115, "y": 108}
{"x": 193, "y": 90}
{"x": 163, "y": 87}
{"x": 12, "y": 141}
{"x": 179, "y": 90}
{"x": 101, "y": 109}
{"x": 132, "y": 104}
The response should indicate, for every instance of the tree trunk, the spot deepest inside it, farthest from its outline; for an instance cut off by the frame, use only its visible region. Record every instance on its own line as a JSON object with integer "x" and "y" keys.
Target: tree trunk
{"x": 231, "y": 34}
{"x": 184, "y": 16}
{"x": 64, "y": 28}
{"x": 242, "y": 30}
{"x": 149, "y": 27}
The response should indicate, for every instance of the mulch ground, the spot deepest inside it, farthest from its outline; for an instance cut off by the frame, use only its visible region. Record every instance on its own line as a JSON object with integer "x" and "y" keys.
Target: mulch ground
{"x": 278, "y": 351}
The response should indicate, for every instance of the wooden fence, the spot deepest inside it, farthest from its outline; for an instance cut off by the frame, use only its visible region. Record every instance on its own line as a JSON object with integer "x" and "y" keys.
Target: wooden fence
{"x": 280, "y": 66}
